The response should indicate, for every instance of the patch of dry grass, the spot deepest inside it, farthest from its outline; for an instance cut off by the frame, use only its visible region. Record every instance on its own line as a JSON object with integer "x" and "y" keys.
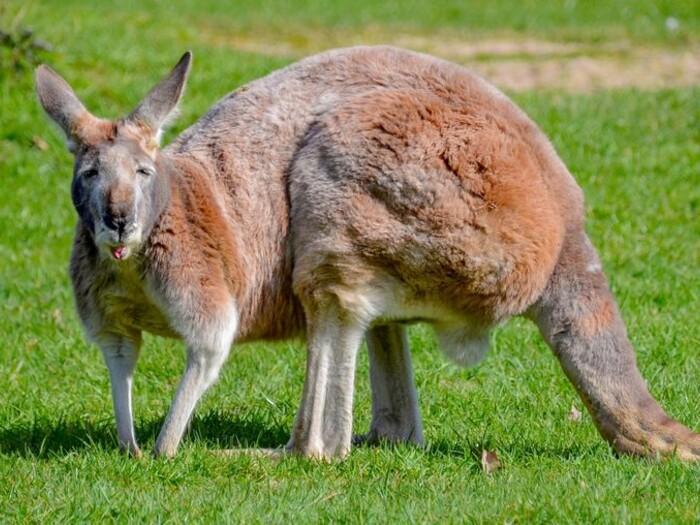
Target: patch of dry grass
{"x": 513, "y": 62}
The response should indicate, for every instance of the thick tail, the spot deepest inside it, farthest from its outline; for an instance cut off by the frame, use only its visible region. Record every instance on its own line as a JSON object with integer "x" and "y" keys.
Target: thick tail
{"x": 578, "y": 317}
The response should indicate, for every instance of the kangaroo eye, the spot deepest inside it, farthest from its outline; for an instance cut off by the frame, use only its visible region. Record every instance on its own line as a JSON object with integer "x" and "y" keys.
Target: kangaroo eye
{"x": 146, "y": 172}
{"x": 89, "y": 173}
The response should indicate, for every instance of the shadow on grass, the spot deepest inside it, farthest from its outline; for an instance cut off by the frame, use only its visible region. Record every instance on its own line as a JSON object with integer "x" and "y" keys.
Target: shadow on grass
{"x": 47, "y": 438}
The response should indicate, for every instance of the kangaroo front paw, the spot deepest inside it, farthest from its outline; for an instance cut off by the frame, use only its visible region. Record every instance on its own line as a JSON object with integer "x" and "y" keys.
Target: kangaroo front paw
{"x": 132, "y": 450}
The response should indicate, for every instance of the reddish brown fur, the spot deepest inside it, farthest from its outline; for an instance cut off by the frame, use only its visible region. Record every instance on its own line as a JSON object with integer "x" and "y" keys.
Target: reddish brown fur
{"x": 599, "y": 319}
{"x": 91, "y": 131}
{"x": 490, "y": 197}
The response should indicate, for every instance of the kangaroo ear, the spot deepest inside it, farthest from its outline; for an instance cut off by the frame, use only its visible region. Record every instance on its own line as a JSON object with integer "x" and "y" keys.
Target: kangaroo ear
{"x": 59, "y": 101}
{"x": 160, "y": 105}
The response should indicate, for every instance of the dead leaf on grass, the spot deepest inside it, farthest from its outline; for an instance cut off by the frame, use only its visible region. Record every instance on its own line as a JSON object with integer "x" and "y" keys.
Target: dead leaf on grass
{"x": 489, "y": 461}
{"x": 57, "y": 317}
{"x": 574, "y": 414}
{"x": 40, "y": 143}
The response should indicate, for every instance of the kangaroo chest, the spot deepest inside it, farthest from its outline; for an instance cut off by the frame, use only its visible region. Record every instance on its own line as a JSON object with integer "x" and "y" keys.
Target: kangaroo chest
{"x": 128, "y": 303}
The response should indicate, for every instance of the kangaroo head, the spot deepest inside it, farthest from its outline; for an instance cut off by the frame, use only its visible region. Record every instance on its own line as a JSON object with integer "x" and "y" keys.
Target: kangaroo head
{"x": 119, "y": 186}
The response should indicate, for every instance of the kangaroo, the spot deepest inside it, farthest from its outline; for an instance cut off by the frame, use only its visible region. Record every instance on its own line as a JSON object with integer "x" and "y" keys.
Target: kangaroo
{"x": 344, "y": 196}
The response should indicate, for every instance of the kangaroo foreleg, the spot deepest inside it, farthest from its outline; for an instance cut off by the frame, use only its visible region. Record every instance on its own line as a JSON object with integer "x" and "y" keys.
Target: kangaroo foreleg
{"x": 120, "y": 355}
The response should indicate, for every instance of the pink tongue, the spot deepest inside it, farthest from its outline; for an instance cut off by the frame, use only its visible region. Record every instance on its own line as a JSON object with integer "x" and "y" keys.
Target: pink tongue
{"x": 119, "y": 252}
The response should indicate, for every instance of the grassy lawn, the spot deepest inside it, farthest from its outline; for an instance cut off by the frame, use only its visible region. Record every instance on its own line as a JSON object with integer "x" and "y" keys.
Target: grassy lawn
{"x": 636, "y": 154}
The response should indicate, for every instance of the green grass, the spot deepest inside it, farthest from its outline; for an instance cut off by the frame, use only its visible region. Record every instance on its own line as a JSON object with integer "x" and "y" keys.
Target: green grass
{"x": 157, "y": 20}
{"x": 636, "y": 154}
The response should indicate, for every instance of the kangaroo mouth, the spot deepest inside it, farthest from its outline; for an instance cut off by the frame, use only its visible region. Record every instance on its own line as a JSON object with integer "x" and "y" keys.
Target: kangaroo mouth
{"x": 117, "y": 247}
{"x": 119, "y": 252}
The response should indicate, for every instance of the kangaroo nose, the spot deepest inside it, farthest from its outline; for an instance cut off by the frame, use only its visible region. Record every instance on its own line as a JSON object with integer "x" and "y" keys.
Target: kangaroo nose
{"x": 117, "y": 218}
{"x": 115, "y": 222}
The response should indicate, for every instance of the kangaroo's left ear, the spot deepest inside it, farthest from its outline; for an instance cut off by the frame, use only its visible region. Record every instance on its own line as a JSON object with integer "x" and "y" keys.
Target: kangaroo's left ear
{"x": 159, "y": 107}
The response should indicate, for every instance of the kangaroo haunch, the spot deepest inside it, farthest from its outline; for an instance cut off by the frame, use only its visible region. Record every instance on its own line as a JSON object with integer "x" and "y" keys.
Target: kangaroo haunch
{"x": 342, "y": 197}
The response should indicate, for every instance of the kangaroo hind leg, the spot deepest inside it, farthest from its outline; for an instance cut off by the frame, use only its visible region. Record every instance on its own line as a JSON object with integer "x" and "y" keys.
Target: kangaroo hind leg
{"x": 395, "y": 413}
{"x": 323, "y": 425}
